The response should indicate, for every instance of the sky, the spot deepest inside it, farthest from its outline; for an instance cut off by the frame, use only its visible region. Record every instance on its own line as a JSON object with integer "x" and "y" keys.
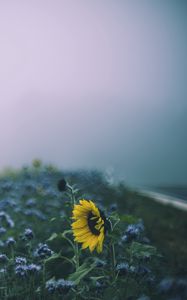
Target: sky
{"x": 96, "y": 84}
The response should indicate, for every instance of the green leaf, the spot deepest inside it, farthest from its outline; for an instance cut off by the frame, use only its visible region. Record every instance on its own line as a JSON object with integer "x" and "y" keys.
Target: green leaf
{"x": 53, "y": 219}
{"x": 66, "y": 232}
{"x": 141, "y": 250}
{"x": 52, "y": 237}
{"x": 53, "y": 257}
{"x": 81, "y": 272}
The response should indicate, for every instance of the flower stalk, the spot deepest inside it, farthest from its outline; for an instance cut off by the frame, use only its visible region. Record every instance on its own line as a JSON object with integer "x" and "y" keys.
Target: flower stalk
{"x": 76, "y": 247}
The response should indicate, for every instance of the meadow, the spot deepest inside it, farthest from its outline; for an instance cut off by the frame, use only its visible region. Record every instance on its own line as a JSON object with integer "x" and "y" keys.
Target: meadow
{"x": 134, "y": 249}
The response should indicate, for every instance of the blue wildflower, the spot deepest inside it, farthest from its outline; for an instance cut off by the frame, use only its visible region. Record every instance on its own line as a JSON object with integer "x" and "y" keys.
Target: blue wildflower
{"x": 50, "y": 286}
{"x": 10, "y": 241}
{"x": 63, "y": 286}
{"x": 43, "y": 251}
{"x": 33, "y": 268}
{"x": 28, "y": 234}
{"x": 20, "y": 260}
{"x": 21, "y": 270}
{"x": 3, "y": 258}
{"x": 122, "y": 268}
{"x": 133, "y": 231}
{"x": 31, "y": 202}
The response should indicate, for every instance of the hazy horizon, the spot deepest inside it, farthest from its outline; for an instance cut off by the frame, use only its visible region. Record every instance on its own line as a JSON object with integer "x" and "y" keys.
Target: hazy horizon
{"x": 96, "y": 84}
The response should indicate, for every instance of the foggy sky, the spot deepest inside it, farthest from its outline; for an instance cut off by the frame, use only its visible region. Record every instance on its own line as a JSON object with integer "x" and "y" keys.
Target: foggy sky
{"x": 98, "y": 84}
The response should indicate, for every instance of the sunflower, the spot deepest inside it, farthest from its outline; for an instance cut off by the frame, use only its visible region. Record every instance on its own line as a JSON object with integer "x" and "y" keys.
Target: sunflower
{"x": 89, "y": 225}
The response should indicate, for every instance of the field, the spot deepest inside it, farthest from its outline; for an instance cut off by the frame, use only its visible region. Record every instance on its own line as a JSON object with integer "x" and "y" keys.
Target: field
{"x": 143, "y": 255}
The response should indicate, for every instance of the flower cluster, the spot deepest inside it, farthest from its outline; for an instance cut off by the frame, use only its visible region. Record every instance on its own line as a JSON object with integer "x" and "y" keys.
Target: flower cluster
{"x": 43, "y": 251}
{"x": 22, "y": 269}
{"x": 61, "y": 286}
{"x": 133, "y": 231}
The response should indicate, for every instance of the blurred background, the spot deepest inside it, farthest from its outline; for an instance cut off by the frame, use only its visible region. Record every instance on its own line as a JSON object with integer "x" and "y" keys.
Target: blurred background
{"x": 96, "y": 84}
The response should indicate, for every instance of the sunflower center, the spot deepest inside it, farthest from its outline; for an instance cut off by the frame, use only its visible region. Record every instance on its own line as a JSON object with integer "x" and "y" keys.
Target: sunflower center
{"x": 92, "y": 223}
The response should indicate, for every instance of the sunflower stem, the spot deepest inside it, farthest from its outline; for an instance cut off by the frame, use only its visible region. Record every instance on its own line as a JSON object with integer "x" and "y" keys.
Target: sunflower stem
{"x": 113, "y": 255}
{"x": 77, "y": 255}
{"x": 113, "y": 260}
{"x": 76, "y": 248}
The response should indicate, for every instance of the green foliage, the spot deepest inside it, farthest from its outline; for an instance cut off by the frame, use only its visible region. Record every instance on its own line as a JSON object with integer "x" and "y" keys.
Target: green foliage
{"x": 81, "y": 272}
{"x": 139, "y": 250}
{"x": 121, "y": 271}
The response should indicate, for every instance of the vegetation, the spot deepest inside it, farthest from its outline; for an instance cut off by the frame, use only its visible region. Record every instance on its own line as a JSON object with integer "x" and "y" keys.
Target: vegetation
{"x": 143, "y": 255}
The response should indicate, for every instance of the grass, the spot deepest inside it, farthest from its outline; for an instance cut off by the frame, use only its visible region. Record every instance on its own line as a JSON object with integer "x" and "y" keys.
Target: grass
{"x": 165, "y": 225}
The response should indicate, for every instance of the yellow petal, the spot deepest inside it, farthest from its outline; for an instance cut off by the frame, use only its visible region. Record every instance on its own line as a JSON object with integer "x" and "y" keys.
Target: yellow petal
{"x": 85, "y": 203}
{"x": 79, "y": 223}
{"x": 100, "y": 241}
{"x": 87, "y": 243}
{"x": 82, "y": 231}
{"x": 78, "y": 214}
{"x": 83, "y": 238}
{"x": 93, "y": 243}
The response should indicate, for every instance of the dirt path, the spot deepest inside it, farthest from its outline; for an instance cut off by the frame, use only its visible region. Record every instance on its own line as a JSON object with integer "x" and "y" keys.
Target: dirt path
{"x": 164, "y": 199}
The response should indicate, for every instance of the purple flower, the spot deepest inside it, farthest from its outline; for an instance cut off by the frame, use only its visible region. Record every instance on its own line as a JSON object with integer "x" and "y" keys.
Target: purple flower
{"x": 31, "y": 202}
{"x": 20, "y": 260}
{"x": 21, "y": 270}
{"x": 51, "y": 286}
{"x": 122, "y": 268}
{"x": 28, "y": 234}
{"x": 33, "y": 268}
{"x": 63, "y": 286}
{"x": 3, "y": 258}
{"x": 43, "y": 251}
{"x": 10, "y": 241}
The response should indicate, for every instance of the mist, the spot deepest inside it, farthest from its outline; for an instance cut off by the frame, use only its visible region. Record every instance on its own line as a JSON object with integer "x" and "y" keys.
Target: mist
{"x": 96, "y": 84}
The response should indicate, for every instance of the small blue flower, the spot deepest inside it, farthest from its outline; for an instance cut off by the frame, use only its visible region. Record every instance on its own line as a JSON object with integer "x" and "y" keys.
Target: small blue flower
{"x": 10, "y": 241}
{"x": 122, "y": 268}
{"x": 3, "y": 258}
{"x": 20, "y": 260}
{"x": 133, "y": 231}
{"x": 33, "y": 268}
{"x": 21, "y": 270}
{"x": 31, "y": 202}
{"x": 28, "y": 234}
{"x": 63, "y": 286}
{"x": 50, "y": 286}
{"x": 43, "y": 251}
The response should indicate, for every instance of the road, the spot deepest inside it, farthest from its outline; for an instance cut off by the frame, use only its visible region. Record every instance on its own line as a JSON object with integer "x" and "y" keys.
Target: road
{"x": 165, "y": 199}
